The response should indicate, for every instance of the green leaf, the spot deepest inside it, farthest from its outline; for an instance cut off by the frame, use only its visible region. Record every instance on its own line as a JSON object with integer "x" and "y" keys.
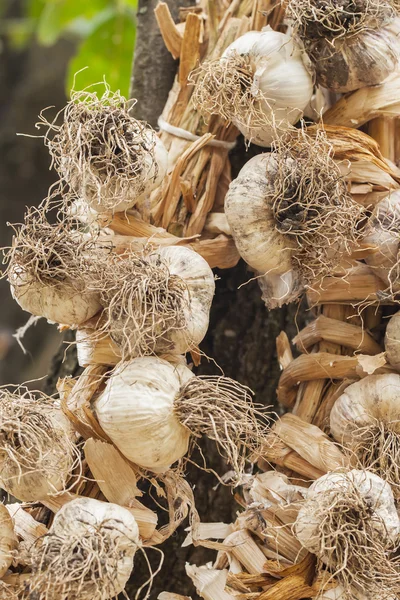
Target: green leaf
{"x": 107, "y": 53}
{"x": 58, "y": 15}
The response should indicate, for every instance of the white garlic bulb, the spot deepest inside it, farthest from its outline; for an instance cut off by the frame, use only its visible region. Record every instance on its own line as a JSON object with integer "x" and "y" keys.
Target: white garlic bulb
{"x": 37, "y": 451}
{"x": 87, "y": 554}
{"x": 8, "y": 540}
{"x": 365, "y": 419}
{"x": 157, "y": 302}
{"x": 151, "y": 408}
{"x": 385, "y": 238}
{"x": 136, "y": 410}
{"x": 107, "y": 157}
{"x": 61, "y": 302}
{"x": 368, "y": 402}
{"x": 260, "y": 84}
{"x": 392, "y": 341}
{"x": 46, "y": 271}
{"x": 290, "y": 213}
{"x": 349, "y": 520}
{"x": 351, "y": 45}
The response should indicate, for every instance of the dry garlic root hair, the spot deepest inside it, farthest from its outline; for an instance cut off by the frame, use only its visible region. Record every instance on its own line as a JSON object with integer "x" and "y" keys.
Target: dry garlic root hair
{"x": 290, "y": 209}
{"x": 260, "y": 84}
{"x": 87, "y": 554}
{"x": 46, "y": 271}
{"x": 108, "y": 158}
{"x": 151, "y": 408}
{"x": 349, "y": 520}
{"x": 156, "y": 301}
{"x": 352, "y": 44}
{"x": 366, "y": 420}
{"x": 37, "y": 450}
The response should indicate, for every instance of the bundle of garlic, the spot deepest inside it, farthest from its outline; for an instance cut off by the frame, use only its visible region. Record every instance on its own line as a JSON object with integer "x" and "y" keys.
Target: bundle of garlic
{"x": 289, "y": 210}
{"x": 155, "y": 301}
{"x": 152, "y": 409}
{"x": 261, "y": 84}
{"x": 365, "y": 419}
{"x": 349, "y": 521}
{"x": 105, "y": 156}
{"x": 37, "y": 450}
{"x": 87, "y": 554}
{"x": 46, "y": 268}
{"x": 351, "y": 44}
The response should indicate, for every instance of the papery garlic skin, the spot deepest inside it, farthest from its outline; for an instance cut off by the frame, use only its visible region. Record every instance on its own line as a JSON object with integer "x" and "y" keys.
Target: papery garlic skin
{"x": 376, "y": 492}
{"x": 85, "y": 518}
{"x": 34, "y": 483}
{"x": 392, "y": 343}
{"x": 282, "y": 82}
{"x": 154, "y": 171}
{"x": 194, "y": 270}
{"x": 64, "y": 302}
{"x": 136, "y": 412}
{"x": 364, "y": 59}
{"x": 252, "y": 223}
{"x": 374, "y": 399}
{"x": 8, "y": 540}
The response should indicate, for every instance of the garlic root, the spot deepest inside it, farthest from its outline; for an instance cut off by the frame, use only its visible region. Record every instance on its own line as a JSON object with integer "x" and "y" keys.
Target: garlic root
{"x": 351, "y": 44}
{"x": 365, "y": 420}
{"x": 108, "y": 158}
{"x": 46, "y": 271}
{"x": 349, "y": 520}
{"x": 87, "y": 554}
{"x": 37, "y": 452}
{"x": 260, "y": 84}
{"x": 290, "y": 209}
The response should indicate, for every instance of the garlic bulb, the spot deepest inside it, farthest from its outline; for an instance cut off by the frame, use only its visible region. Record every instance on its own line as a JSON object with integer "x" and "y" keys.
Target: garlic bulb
{"x": 46, "y": 271}
{"x": 349, "y": 520}
{"x": 8, "y": 540}
{"x": 37, "y": 453}
{"x": 151, "y": 408}
{"x": 87, "y": 554}
{"x": 351, "y": 44}
{"x": 384, "y": 235}
{"x": 108, "y": 158}
{"x": 260, "y": 84}
{"x": 155, "y": 302}
{"x": 392, "y": 341}
{"x": 365, "y": 419}
{"x": 289, "y": 210}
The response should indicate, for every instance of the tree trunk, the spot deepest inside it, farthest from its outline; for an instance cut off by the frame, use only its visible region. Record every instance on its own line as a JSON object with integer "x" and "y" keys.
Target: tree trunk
{"x": 240, "y": 339}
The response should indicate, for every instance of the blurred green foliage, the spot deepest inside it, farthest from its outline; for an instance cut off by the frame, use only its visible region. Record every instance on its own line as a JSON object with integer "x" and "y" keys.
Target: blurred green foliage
{"x": 103, "y": 30}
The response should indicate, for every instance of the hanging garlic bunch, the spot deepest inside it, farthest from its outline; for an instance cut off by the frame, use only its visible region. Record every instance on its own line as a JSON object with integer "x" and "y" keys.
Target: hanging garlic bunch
{"x": 392, "y": 341}
{"x": 151, "y": 408}
{"x": 385, "y": 238}
{"x": 87, "y": 554}
{"x": 155, "y": 301}
{"x": 8, "y": 540}
{"x": 46, "y": 271}
{"x": 352, "y": 44}
{"x": 290, "y": 210}
{"x": 37, "y": 450}
{"x": 260, "y": 84}
{"x": 349, "y": 520}
{"x": 108, "y": 158}
{"x": 366, "y": 420}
